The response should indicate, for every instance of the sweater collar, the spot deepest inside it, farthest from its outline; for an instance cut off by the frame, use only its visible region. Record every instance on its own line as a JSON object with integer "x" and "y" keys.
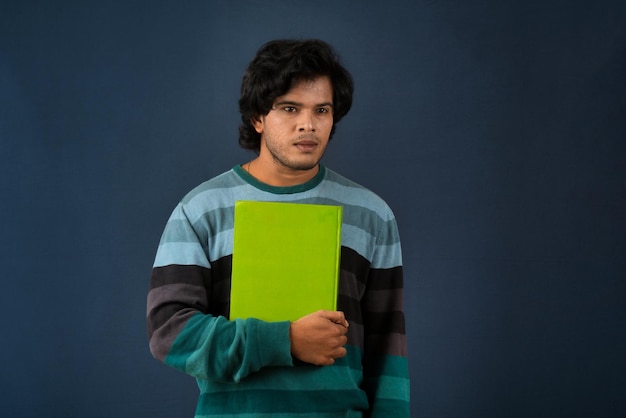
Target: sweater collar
{"x": 298, "y": 188}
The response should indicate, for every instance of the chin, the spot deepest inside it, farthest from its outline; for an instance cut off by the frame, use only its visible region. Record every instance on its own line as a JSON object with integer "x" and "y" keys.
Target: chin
{"x": 305, "y": 165}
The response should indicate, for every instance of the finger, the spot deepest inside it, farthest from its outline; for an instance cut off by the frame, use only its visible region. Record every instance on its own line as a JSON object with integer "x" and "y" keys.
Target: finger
{"x": 339, "y": 353}
{"x": 337, "y": 317}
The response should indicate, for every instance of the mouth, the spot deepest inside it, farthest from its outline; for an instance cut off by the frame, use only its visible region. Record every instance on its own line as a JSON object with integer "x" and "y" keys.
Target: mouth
{"x": 306, "y": 145}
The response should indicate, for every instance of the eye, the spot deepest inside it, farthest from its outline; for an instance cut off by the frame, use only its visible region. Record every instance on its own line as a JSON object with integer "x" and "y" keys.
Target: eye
{"x": 289, "y": 109}
{"x": 323, "y": 110}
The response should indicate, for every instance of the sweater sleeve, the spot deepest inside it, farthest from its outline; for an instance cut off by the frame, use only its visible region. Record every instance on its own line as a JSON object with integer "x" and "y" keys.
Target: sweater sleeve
{"x": 385, "y": 365}
{"x": 187, "y": 328}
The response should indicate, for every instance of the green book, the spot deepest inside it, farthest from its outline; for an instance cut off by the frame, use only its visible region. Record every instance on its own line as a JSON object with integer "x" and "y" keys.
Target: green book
{"x": 285, "y": 260}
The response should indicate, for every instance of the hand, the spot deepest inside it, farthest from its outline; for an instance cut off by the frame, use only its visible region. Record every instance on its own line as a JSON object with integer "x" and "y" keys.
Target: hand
{"x": 319, "y": 338}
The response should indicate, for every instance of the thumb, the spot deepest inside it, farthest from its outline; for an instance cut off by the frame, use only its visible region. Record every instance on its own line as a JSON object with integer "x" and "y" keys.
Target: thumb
{"x": 337, "y": 317}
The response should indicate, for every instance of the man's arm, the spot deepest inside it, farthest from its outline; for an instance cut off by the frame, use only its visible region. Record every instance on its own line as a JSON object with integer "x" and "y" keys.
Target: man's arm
{"x": 214, "y": 348}
{"x": 385, "y": 365}
{"x": 187, "y": 304}
{"x": 185, "y": 335}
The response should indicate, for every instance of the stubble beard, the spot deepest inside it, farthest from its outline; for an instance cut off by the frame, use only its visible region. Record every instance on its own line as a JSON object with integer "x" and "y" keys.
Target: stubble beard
{"x": 282, "y": 159}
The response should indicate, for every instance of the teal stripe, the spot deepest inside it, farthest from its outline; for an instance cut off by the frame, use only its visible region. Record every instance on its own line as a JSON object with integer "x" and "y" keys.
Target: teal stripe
{"x": 219, "y": 244}
{"x": 211, "y": 188}
{"x": 392, "y": 381}
{"x": 208, "y": 208}
{"x": 368, "y": 220}
{"x": 299, "y": 188}
{"x": 297, "y": 378}
{"x": 179, "y": 246}
{"x": 396, "y": 388}
{"x": 395, "y": 366}
{"x": 181, "y": 253}
{"x": 361, "y": 201}
{"x": 346, "y": 373}
{"x": 178, "y": 357}
{"x": 178, "y": 230}
{"x": 386, "y": 257}
{"x": 282, "y": 401}
{"x": 354, "y": 194}
{"x": 384, "y": 408}
{"x": 215, "y": 221}
{"x": 341, "y": 414}
{"x": 227, "y": 180}
{"x": 354, "y": 236}
{"x": 201, "y": 211}
{"x": 358, "y": 240}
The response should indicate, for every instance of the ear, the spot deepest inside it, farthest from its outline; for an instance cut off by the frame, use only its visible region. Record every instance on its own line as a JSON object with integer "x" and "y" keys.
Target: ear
{"x": 257, "y": 123}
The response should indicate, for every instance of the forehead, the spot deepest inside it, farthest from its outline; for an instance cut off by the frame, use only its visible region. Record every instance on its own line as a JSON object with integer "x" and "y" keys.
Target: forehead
{"x": 318, "y": 90}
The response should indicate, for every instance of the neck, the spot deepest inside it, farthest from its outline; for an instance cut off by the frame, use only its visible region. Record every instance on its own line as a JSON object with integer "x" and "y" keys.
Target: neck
{"x": 279, "y": 176}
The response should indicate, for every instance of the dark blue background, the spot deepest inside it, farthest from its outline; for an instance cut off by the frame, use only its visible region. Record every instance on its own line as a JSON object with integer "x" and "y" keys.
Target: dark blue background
{"x": 495, "y": 129}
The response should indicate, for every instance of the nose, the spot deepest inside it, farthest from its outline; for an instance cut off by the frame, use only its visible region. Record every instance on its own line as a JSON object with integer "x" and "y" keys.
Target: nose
{"x": 306, "y": 122}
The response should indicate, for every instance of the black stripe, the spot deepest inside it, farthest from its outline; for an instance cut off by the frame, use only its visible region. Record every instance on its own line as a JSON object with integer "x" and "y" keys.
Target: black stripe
{"x": 383, "y": 300}
{"x": 377, "y": 347}
{"x": 211, "y": 294}
{"x": 384, "y": 322}
{"x": 177, "y": 274}
{"x": 351, "y": 308}
{"x": 352, "y": 279}
{"x": 380, "y": 279}
{"x": 219, "y": 294}
{"x": 356, "y": 264}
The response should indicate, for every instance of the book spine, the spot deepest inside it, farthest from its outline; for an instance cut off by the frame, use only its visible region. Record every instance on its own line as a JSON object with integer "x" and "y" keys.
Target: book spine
{"x": 338, "y": 254}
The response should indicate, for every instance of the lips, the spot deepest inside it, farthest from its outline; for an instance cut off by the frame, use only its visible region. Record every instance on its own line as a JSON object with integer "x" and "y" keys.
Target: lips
{"x": 306, "y": 145}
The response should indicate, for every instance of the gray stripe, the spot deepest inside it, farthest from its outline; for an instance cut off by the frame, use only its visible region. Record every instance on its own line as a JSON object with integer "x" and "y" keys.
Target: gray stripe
{"x": 387, "y": 344}
{"x": 164, "y": 336}
{"x": 384, "y": 300}
{"x": 183, "y": 293}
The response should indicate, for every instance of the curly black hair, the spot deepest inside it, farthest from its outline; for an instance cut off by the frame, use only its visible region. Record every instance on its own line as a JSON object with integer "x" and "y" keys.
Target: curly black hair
{"x": 277, "y": 66}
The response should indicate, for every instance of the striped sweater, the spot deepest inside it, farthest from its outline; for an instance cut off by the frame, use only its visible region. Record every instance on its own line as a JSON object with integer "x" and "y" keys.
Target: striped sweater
{"x": 244, "y": 367}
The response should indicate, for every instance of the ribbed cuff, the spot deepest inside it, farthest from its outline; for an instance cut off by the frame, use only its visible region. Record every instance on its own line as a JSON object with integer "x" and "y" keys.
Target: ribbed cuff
{"x": 273, "y": 342}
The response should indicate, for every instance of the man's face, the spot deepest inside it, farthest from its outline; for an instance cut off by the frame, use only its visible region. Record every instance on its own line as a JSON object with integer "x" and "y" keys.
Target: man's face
{"x": 295, "y": 133}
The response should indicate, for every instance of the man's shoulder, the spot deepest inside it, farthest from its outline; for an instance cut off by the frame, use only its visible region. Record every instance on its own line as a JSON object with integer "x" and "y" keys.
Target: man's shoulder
{"x": 221, "y": 183}
{"x": 354, "y": 193}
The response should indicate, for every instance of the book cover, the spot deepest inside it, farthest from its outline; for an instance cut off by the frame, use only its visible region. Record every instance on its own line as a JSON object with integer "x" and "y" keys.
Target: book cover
{"x": 285, "y": 260}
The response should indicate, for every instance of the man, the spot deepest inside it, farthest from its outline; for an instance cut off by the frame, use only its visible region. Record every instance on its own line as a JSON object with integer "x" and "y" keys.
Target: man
{"x": 345, "y": 363}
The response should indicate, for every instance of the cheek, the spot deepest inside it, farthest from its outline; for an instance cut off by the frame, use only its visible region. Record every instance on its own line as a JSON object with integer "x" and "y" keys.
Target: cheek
{"x": 328, "y": 126}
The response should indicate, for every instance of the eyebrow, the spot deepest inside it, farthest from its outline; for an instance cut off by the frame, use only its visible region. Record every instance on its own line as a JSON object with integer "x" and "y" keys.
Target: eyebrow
{"x": 292, "y": 103}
